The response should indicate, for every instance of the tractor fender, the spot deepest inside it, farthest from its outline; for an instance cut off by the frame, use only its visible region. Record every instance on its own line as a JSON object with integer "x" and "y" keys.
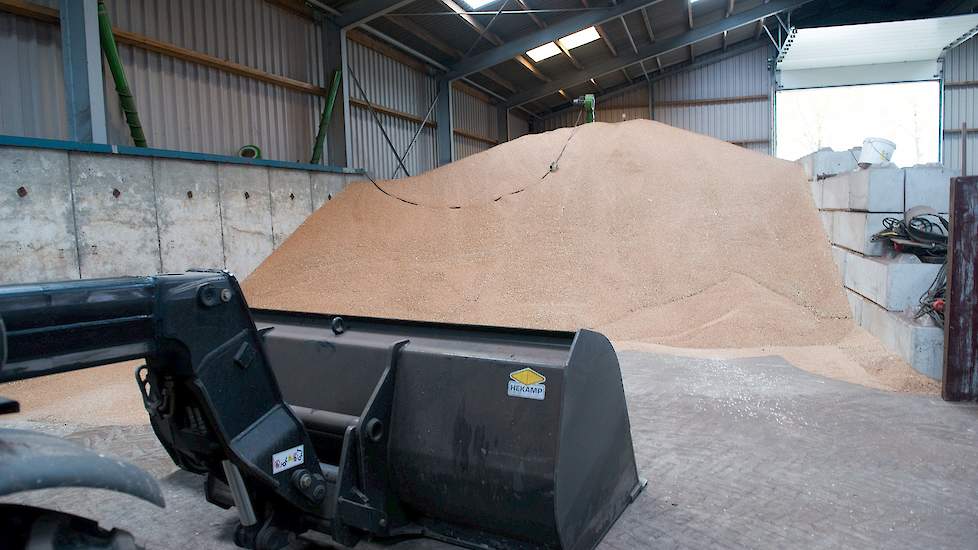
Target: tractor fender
{"x": 31, "y": 460}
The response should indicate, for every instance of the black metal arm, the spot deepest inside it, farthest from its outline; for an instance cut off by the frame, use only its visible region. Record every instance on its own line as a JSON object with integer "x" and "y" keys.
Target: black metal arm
{"x": 211, "y": 396}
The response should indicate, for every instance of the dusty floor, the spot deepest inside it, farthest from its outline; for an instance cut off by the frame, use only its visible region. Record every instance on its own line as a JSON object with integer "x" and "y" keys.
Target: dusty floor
{"x": 743, "y": 452}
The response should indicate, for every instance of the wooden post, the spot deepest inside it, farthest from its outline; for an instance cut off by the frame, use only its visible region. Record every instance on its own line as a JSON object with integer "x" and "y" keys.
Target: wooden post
{"x": 960, "y": 381}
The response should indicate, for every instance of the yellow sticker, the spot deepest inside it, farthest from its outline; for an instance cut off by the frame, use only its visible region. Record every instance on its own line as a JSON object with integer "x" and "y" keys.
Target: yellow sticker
{"x": 528, "y": 377}
{"x": 527, "y": 383}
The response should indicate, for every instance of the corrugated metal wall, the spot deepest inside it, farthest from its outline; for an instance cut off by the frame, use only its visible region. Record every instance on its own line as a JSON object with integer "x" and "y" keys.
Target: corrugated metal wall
{"x": 185, "y": 106}
{"x": 689, "y": 99}
{"x": 189, "y": 107}
{"x": 961, "y": 104}
{"x": 518, "y": 126}
{"x": 395, "y": 86}
{"x": 679, "y": 99}
{"x": 182, "y": 105}
{"x": 475, "y": 117}
{"x": 32, "y": 91}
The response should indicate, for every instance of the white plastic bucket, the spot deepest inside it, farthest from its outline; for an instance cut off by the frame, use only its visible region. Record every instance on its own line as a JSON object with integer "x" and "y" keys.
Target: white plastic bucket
{"x": 876, "y": 151}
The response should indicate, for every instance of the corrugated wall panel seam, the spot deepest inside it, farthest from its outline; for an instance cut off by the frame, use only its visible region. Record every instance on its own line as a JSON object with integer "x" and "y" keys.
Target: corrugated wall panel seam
{"x": 518, "y": 126}
{"x": 256, "y": 28}
{"x": 32, "y": 98}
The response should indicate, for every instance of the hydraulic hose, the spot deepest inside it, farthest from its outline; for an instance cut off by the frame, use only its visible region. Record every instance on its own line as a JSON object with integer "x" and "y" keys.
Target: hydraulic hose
{"x": 126, "y": 99}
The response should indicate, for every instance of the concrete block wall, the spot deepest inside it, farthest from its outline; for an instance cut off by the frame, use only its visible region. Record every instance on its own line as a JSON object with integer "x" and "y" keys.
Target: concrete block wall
{"x": 883, "y": 287}
{"x": 918, "y": 343}
{"x": 70, "y": 214}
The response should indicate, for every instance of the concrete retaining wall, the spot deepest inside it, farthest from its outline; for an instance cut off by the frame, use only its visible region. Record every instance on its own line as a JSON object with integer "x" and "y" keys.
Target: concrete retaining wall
{"x": 68, "y": 214}
{"x": 883, "y": 287}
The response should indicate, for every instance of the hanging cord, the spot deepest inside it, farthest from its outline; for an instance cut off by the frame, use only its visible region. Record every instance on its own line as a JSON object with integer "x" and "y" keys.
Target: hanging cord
{"x": 553, "y": 168}
{"x": 932, "y": 302}
{"x": 400, "y": 159}
{"x": 554, "y": 165}
{"x": 376, "y": 118}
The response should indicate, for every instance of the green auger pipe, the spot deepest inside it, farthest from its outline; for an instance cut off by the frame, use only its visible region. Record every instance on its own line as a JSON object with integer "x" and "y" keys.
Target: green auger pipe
{"x": 317, "y": 149}
{"x": 126, "y": 99}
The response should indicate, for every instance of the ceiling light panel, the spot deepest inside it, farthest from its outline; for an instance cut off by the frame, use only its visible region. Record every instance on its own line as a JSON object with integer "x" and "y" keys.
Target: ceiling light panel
{"x": 543, "y": 52}
{"x": 476, "y": 4}
{"x": 579, "y": 38}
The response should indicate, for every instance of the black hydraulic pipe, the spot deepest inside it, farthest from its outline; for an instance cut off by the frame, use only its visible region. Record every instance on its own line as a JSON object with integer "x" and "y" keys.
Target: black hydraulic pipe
{"x": 57, "y": 327}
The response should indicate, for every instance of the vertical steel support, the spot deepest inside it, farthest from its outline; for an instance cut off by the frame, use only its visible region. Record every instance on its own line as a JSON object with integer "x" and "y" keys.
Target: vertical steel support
{"x": 82, "y": 56}
{"x": 338, "y": 151}
{"x": 960, "y": 380}
{"x": 502, "y": 124}
{"x": 445, "y": 130}
{"x": 651, "y": 100}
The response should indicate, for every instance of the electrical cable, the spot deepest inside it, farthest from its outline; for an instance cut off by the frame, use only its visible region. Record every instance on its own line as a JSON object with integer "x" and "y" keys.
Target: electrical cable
{"x": 554, "y": 165}
{"x": 376, "y": 117}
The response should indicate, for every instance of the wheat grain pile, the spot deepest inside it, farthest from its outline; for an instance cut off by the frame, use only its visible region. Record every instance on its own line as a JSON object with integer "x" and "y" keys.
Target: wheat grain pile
{"x": 644, "y": 232}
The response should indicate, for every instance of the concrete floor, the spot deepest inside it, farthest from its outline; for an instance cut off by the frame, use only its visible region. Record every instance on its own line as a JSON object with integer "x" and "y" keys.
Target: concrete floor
{"x": 746, "y": 453}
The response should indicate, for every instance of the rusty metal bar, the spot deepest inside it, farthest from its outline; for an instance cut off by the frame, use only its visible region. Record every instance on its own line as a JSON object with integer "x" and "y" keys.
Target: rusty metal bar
{"x": 960, "y": 380}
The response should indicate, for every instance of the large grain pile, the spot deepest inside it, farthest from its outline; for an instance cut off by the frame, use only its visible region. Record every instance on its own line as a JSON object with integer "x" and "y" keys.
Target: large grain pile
{"x": 644, "y": 232}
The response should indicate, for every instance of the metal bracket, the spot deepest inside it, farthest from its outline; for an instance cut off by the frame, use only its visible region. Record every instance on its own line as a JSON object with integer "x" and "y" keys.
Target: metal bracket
{"x": 362, "y": 500}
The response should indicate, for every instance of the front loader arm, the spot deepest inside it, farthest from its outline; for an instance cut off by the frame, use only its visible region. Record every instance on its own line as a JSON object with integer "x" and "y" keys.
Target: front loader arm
{"x": 207, "y": 385}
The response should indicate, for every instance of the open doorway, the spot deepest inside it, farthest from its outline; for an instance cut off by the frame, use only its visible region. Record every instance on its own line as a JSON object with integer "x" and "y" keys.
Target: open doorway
{"x": 907, "y": 114}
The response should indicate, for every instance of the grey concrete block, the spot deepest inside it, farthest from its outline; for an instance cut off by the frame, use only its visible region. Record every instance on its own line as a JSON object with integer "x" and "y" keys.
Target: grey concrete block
{"x": 835, "y": 193}
{"x": 893, "y": 283}
{"x": 854, "y": 230}
{"x": 326, "y": 185}
{"x": 827, "y": 218}
{"x": 188, "y": 201}
{"x": 826, "y": 162}
{"x": 840, "y": 255}
{"x": 929, "y": 185}
{"x": 247, "y": 217}
{"x": 816, "y": 188}
{"x": 115, "y": 209}
{"x": 291, "y": 202}
{"x": 876, "y": 189}
{"x": 855, "y": 305}
{"x": 919, "y": 344}
{"x": 37, "y": 241}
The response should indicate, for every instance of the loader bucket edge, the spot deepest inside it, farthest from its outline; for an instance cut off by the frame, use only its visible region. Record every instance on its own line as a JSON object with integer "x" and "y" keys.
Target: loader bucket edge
{"x": 498, "y": 437}
{"x": 596, "y": 477}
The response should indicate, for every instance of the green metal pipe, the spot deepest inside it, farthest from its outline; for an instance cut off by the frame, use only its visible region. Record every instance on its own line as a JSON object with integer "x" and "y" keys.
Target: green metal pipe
{"x": 317, "y": 149}
{"x": 126, "y": 99}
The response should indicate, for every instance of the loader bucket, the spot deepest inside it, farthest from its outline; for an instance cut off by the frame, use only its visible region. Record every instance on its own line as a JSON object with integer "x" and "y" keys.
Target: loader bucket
{"x": 499, "y": 438}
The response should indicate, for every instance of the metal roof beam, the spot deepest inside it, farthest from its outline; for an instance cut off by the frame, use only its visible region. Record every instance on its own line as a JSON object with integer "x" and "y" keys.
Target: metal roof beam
{"x": 445, "y": 48}
{"x": 509, "y": 50}
{"x": 704, "y": 61}
{"x": 657, "y": 48}
{"x": 363, "y": 11}
{"x": 491, "y": 37}
{"x": 536, "y": 20}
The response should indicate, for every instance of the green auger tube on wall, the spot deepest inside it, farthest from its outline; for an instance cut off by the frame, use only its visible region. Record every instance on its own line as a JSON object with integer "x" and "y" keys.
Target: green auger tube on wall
{"x": 126, "y": 99}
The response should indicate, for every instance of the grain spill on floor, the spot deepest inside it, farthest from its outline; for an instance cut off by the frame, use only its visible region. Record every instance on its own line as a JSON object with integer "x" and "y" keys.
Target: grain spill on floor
{"x": 662, "y": 239}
